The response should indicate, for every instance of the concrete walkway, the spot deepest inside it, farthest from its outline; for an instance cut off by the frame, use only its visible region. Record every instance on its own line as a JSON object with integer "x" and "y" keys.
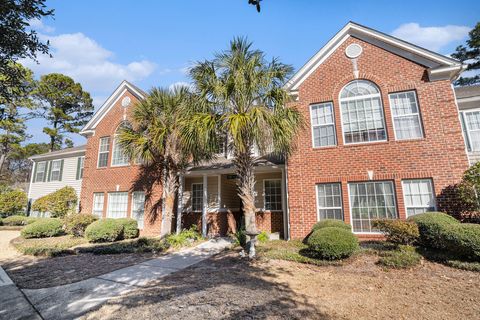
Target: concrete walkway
{"x": 72, "y": 300}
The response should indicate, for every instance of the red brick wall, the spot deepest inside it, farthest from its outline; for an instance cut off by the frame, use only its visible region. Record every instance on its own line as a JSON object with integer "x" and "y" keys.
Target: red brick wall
{"x": 127, "y": 178}
{"x": 440, "y": 155}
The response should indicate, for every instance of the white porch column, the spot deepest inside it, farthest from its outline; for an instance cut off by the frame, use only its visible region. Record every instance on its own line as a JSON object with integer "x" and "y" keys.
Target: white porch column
{"x": 219, "y": 192}
{"x": 284, "y": 206}
{"x": 181, "y": 181}
{"x": 204, "y": 206}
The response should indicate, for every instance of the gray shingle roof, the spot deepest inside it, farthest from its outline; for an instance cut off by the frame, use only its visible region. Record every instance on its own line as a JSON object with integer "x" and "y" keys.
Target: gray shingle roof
{"x": 467, "y": 91}
{"x": 53, "y": 154}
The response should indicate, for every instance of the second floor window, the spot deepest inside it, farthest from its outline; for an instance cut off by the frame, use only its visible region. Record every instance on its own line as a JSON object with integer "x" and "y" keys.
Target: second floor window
{"x": 471, "y": 123}
{"x": 323, "y": 125}
{"x": 362, "y": 113}
{"x": 406, "y": 115}
{"x": 40, "y": 172}
{"x": 119, "y": 158}
{"x": 56, "y": 170}
{"x": 103, "y": 151}
{"x": 80, "y": 165}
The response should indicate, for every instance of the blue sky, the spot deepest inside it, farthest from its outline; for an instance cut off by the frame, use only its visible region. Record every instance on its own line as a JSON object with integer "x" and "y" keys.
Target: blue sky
{"x": 152, "y": 43}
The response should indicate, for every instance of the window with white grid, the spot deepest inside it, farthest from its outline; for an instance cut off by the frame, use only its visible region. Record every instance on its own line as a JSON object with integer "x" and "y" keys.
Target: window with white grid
{"x": 371, "y": 201}
{"x": 419, "y": 196}
{"x": 55, "y": 172}
{"x": 197, "y": 196}
{"x": 272, "y": 194}
{"x": 323, "y": 125}
{"x": 329, "y": 200}
{"x": 103, "y": 151}
{"x": 406, "y": 115}
{"x": 138, "y": 207}
{"x": 119, "y": 158}
{"x": 362, "y": 113}
{"x": 98, "y": 201}
{"x": 40, "y": 171}
{"x": 472, "y": 126}
{"x": 117, "y": 205}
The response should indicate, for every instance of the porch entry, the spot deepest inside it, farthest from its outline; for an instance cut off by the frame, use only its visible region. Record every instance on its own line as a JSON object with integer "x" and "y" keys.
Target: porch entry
{"x": 210, "y": 201}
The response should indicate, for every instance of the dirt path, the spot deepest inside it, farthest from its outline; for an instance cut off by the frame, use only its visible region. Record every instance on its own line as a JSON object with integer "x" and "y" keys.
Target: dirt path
{"x": 6, "y": 250}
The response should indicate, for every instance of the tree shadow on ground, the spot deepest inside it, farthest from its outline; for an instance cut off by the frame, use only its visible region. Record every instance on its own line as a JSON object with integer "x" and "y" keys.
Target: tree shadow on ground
{"x": 222, "y": 287}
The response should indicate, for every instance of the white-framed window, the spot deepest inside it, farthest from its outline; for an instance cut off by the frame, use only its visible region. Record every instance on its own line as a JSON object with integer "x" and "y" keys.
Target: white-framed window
{"x": 197, "y": 197}
{"x": 362, "y": 113}
{"x": 419, "y": 196}
{"x": 56, "y": 170}
{"x": 40, "y": 171}
{"x": 119, "y": 158}
{"x": 98, "y": 201}
{"x": 323, "y": 125}
{"x": 329, "y": 201}
{"x": 272, "y": 194}
{"x": 371, "y": 201}
{"x": 80, "y": 165}
{"x": 117, "y": 205}
{"x": 471, "y": 126}
{"x": 103, "y": 150}
{"x": 138, "y": 207}
{"x": 407, "y": 122}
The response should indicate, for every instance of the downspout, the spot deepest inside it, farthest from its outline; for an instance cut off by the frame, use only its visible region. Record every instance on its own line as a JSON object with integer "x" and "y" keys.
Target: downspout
{"x": 34, "y": 164}
{"x": 287, "y": 216}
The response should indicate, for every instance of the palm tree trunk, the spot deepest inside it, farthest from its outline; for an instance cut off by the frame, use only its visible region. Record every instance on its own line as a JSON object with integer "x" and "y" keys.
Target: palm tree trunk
{"x": 244, "y": 164}
{"x": 170, "y": 187}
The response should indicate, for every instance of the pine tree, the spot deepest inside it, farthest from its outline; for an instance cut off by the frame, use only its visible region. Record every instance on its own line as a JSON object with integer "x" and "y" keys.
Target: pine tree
{"x": 470, "y": 54}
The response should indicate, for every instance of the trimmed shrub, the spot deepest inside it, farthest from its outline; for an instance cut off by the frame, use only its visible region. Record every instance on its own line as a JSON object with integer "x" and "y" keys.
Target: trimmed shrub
{"x": 331, "y": 223}
{"x": 184, "y": 238}
{"x": 332, "y": 243}
{"x": 463, "y": 240}
{"x": 263, "y": 237}
{"x": 58, "y": 203}
{"x": 130, "y": 228}
{"x": 75, "y": 224}
{"x": 398, "y": 231}
{"x": 12, "y": 202}
{"x": 106, "y": 230}
{"x": 43, "y": 228}
{"x": 18, "y": 220}
{"x": 431, "y": 225}
{"x": 402, "y": 257}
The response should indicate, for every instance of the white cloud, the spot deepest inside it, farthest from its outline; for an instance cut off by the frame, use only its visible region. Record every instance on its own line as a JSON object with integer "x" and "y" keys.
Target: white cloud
{"x": 180, "y": 84}
{"x": 433, "y": 38}
{"x": 38, "y": 25}
{"x": 87, "y": 62}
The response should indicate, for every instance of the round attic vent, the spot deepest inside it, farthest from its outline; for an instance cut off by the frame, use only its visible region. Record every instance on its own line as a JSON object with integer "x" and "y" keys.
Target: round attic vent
{"x": 126, "y": 102}
{"x": 353, "y": 51}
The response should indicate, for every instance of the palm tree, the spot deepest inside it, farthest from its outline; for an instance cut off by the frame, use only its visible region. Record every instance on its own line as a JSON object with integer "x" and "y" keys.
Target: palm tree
{"x": 153, "y": 138}
{"x": 241, "y": 95}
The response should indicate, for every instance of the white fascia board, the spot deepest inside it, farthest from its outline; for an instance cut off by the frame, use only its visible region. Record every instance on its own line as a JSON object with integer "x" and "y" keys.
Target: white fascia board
{"x": 108, "y": 104}
{"x": 59, "y": 155}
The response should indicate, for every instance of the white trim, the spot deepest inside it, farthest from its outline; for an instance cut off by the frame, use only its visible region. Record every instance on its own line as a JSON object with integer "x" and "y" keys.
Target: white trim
{"x": 99, "y": 152}
{"x": 31, "y": 180}
{"x": 191, "y": 195}
{"x": 320, "y": 125}
{"x": 205, "y": 206}
{"x": 418, "y": 114}
{"x": 264, "y": 194}
{"x": 341, "y": 200}
{"x": 430, "y": 180}
{"x": 219, "y": 191}
{"x": 56, "y": 155}
{"x": 352, "y": 28}
{"x": 467, "y": 128}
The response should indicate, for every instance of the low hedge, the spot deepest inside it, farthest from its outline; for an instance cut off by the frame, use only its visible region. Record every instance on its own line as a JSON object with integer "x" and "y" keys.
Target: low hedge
{"x": 401, "y": 258}
{"x": 130, "y": 228}
{"x": 463, "y": 239}
{"x": 105, "y": 230}
{"x": 331, "y": 223}
{"x": 42, "y": 228}
{"x": 332, "y": 243}
{"x": 399, "y": 232}
{"x": 75, "y": 224}
{"x": 431, "y": 225}
{"x": 18, "y": 220}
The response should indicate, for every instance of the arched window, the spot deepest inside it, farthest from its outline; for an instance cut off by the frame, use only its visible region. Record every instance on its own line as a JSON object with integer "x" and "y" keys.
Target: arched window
{"x": 362, "y": 113}
{"x": 119, "y": 158}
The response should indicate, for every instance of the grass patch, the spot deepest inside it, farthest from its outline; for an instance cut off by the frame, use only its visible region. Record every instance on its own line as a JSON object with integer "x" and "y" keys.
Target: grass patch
{"x": 293, "y": 250}
{"x": 47, "y": 247}
{"x": 140, "y": 245}
{"x": 400, "y": 258}
{"x": 448, "y": 259}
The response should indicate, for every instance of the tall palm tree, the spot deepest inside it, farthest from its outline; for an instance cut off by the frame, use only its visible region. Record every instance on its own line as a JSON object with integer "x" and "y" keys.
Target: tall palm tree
{"x": 241, "y": 95}
{"x": 153, "y": 138}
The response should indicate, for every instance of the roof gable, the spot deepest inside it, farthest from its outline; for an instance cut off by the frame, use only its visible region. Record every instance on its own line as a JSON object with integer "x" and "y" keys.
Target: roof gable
{"x": 109, "y": 103}
{"x": 439, "y": 66}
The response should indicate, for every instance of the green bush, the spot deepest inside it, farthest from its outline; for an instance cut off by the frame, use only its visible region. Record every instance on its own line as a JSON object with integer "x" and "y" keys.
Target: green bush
{"x": 42, "y": 228}
{"x": 431, "y": 226}
{"x": 12, "y": 202}
{"x": 402, "y": 257}
{"x": 140, "y": 245}
{"x": 463, "y": 240}
{"x": 75, "y": 224}
{"x": 106, "y": 230}
{"x": 263, "y": 237}
{"x": 240, "y": 238}
{"x": 331, "y": 223}
{"x": 130, "y": 228}
{"x": 18, "y": 220}
{"x": 398, "y": 231}
{"x": 184, "y": 238}
{"x": 332, "y": 243}
{"x": 58, "y": 203}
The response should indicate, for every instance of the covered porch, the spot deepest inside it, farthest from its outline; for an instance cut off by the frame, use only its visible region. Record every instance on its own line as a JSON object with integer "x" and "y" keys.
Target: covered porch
{"x": 210, "y": 201}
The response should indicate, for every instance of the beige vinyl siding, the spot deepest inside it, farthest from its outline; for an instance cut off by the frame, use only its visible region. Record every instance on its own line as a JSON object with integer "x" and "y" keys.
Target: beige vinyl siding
{"x": 69, "y": 178}
{"x": 230, "y": 199}
{"x": 259, "y": 178}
